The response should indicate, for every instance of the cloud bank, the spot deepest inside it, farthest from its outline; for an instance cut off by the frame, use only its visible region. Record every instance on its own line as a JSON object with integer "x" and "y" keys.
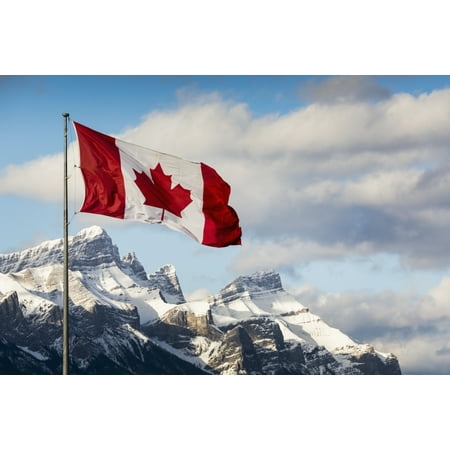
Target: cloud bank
{"x": 364, "y": 174}
{"x": 42, "y": 178}
{"x": 416, "y": 328}
{"x": 327, "y": 180}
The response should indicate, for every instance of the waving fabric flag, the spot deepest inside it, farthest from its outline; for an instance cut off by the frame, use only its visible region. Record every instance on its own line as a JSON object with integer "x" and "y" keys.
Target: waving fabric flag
{"x": 126, "y": 181}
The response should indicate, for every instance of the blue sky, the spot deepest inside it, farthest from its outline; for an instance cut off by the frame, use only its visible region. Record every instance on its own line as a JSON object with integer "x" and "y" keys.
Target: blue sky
{"x": 340, "y": 183}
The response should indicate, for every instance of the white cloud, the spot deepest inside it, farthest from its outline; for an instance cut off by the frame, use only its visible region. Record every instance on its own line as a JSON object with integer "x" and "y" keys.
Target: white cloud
{"x": 436, "y": 305}
{"x": 413, "y": 327}
{"x": 420, "y": 354}
{"x": 40, "y": 179}
{"x": 285, "y": 253}
{"x": 212, "y": 127}
{"x": 323, "y": 181}
{"x": 198, "y": 294}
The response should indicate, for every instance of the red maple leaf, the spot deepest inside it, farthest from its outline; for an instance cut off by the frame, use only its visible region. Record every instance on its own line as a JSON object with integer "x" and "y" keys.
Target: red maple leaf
{"x": 158, "y": 191}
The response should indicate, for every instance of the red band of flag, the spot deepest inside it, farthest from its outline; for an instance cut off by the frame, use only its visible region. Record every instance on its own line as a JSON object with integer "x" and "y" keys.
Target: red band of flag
{"x": 100, "y": 165}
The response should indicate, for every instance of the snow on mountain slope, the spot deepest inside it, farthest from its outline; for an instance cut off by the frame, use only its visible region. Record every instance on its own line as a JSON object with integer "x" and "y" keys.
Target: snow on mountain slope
{"x": 122, "y": 315}
{"x": 116, "y": 288}
{"x": 245, "y": 299}
{"x": 259, "y": 317}
{"x": 102, "y": 276}
{"x": 34, "y": 295}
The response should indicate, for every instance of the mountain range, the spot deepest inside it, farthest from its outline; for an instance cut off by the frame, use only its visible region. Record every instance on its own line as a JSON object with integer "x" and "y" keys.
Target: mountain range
{"x": 125, "y": 321}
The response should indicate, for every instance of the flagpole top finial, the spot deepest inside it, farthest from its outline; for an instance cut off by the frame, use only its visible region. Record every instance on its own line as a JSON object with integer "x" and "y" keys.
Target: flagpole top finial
{"x": 65, "y": 114}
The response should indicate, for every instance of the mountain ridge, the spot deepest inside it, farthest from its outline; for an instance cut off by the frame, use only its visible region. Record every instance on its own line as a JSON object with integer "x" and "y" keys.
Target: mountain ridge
{"x": 123, "y": 320}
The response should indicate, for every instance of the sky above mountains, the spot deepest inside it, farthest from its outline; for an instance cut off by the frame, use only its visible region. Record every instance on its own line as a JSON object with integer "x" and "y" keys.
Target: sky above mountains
{"x": 340, "y": 182}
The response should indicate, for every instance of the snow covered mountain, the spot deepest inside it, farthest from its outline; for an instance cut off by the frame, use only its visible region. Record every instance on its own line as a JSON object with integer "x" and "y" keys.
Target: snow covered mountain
{"x": 123, "y": 320}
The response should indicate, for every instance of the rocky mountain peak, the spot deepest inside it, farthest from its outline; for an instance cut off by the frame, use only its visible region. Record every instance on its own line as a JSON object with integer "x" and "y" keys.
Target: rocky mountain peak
{"x": 90, "y": 247}
{"x": 138, "y": 269}
{"x": 91, "y": 233}
{"x": 263, "y": 281}
{"x": 166, "y": 280}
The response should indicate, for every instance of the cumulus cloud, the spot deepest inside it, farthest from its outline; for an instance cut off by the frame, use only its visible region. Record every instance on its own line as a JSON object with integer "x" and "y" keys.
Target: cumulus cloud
{"x": 402, "y": 127}
{"x": 285, "y": 253}
{"x": 324, "y": 181}
{"x": 42, "y": 178}
{"x": 416, "y": 328}
{"x": 420, "y": 353}
{"x": 436, "y": 305}
{"x": 198, "y": 294}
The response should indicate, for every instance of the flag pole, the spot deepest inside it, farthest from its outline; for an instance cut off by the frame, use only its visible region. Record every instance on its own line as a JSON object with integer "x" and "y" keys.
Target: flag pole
{"x": 65, "y": 351}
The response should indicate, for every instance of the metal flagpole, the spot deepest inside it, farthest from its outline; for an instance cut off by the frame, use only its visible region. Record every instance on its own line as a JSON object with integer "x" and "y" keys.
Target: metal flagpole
{"x": 66, "y": 261}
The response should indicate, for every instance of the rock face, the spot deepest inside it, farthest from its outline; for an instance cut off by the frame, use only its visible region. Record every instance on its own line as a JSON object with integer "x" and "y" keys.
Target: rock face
{"x": 166, "y": 280}
{"x": 124, "y": 321}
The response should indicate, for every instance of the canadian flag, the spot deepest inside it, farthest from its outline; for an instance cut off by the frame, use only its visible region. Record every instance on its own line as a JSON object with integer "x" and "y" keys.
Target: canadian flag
{"x": 127, "y": 181}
